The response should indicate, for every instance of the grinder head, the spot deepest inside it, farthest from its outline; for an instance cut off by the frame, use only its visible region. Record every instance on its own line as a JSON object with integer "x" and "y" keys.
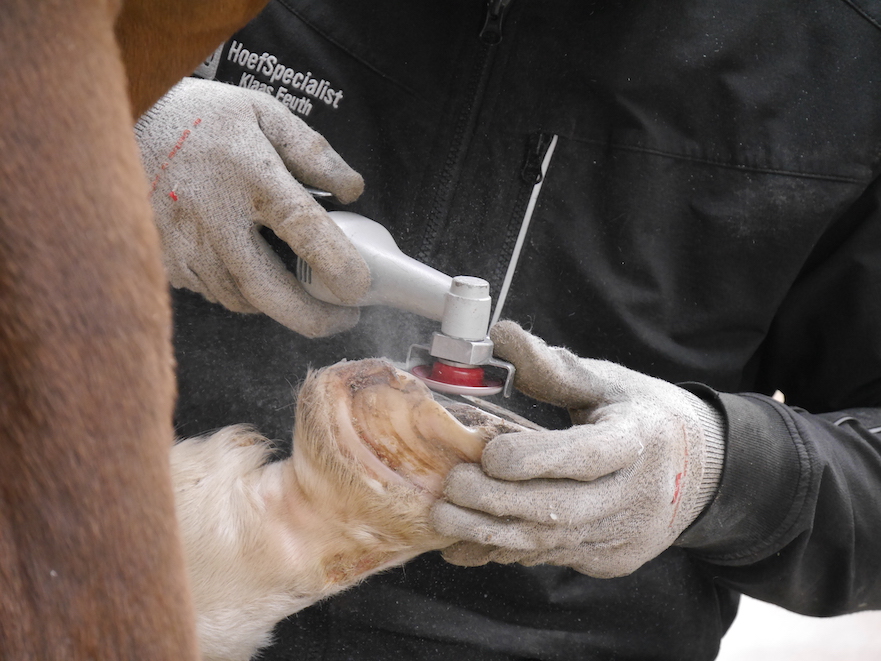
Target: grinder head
{"x": 462, "y": 347}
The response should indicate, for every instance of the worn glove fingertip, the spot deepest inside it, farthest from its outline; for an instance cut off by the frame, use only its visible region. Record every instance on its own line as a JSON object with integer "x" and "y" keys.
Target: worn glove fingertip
{"x": 330, "y": 253}
{"x": 504, "y": 334}
{"x": 462, "y": 483}
{"x": 446, "y": 519}
{"x": 513, "y": 343}
{"x": 502, "y": 458}
{"x": 467, "y": 554}
{"x": 343, "y": 319}
{"x": 348, "y": 188}
{"x": 322, "y": 320}
{"x": 354, "y": 284}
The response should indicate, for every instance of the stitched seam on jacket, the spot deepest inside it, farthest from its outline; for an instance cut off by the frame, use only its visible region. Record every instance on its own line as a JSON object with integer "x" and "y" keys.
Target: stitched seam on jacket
{"x": 865, "y": 14}
{"x": 725, "y": 164}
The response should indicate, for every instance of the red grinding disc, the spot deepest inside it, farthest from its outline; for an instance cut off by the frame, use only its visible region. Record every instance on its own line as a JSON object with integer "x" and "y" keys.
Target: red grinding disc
{"x": 453, "y": 380}
{"x": 457, "y": 376}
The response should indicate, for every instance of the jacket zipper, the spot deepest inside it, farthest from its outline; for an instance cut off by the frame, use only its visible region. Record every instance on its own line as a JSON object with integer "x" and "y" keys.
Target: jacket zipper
{"x": 490, "y": 34}
{"x": 538, "y": 160}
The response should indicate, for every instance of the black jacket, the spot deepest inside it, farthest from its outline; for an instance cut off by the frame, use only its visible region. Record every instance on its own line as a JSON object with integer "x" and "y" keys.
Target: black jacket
{"x": 710, "y": 215}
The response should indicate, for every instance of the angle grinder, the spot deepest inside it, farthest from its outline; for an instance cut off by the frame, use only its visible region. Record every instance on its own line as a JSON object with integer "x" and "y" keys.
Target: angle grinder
{"x": 462, "y": 304}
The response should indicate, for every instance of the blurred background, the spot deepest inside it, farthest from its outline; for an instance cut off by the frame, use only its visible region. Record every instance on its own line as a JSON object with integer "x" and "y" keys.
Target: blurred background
{"x": 763, "y": 632}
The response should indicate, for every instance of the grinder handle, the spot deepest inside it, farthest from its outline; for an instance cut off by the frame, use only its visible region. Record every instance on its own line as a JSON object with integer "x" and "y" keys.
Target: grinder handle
{"x": 396, "y": 279}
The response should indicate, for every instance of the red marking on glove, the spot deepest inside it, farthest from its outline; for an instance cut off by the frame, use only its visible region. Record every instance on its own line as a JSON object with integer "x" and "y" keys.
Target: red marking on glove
{"x": 677, "y": 488}
{"x": 179, "y": 144}
{"x": 164, "y": 166}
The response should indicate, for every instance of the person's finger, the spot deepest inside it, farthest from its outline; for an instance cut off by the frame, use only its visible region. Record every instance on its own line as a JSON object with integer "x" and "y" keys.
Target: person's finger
{"x": 205, "y": 273}
{"x": 584, "y": 452}
{"x": 518, "y": 537}
{"x": 268, "y": 286}
{"x": 549, "y": 374}
{"x": 470, "y": 554}
{"x": 297, "y": 219}
{"x": 548, "y": 502}
{"x": 308, "y": 155}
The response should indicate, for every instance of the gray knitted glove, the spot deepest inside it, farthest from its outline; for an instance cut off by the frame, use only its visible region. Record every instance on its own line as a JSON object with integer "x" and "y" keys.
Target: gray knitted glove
{"x": 642, "y": 460}
{"x": 222, "y": 161}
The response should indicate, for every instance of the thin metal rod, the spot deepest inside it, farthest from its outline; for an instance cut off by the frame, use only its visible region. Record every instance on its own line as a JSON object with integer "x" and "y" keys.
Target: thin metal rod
{"x": 521, "y": 237}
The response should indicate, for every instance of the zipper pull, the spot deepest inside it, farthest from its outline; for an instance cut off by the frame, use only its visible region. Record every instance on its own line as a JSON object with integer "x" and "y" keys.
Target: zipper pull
{"x": 535, "y": 153}
{"x": 491, "y": 32}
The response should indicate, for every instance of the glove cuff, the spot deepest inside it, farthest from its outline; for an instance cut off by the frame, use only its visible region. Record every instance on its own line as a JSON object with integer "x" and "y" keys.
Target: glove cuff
{"x": 156, "y": 109}
{"x": 713, "y": 427}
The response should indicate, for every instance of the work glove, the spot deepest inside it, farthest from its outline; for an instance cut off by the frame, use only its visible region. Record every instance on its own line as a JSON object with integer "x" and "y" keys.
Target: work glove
{"x": 222, "y": 161}
{"x": 610, "y": 493}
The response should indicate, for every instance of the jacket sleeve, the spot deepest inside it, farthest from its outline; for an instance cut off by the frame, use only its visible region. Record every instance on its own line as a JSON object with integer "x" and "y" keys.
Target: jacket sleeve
{"x": 797, "y": 518}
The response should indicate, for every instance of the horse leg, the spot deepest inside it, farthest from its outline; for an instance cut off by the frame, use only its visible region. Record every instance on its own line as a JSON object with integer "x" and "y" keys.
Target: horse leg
{"x": 164, "y": 40}
{"x": 90, "y": 560}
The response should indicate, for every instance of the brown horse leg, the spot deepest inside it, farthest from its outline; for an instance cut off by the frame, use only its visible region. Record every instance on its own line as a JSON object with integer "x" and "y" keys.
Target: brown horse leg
{"x": 164, "y": 40}
{"x": 90, "y": 564}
